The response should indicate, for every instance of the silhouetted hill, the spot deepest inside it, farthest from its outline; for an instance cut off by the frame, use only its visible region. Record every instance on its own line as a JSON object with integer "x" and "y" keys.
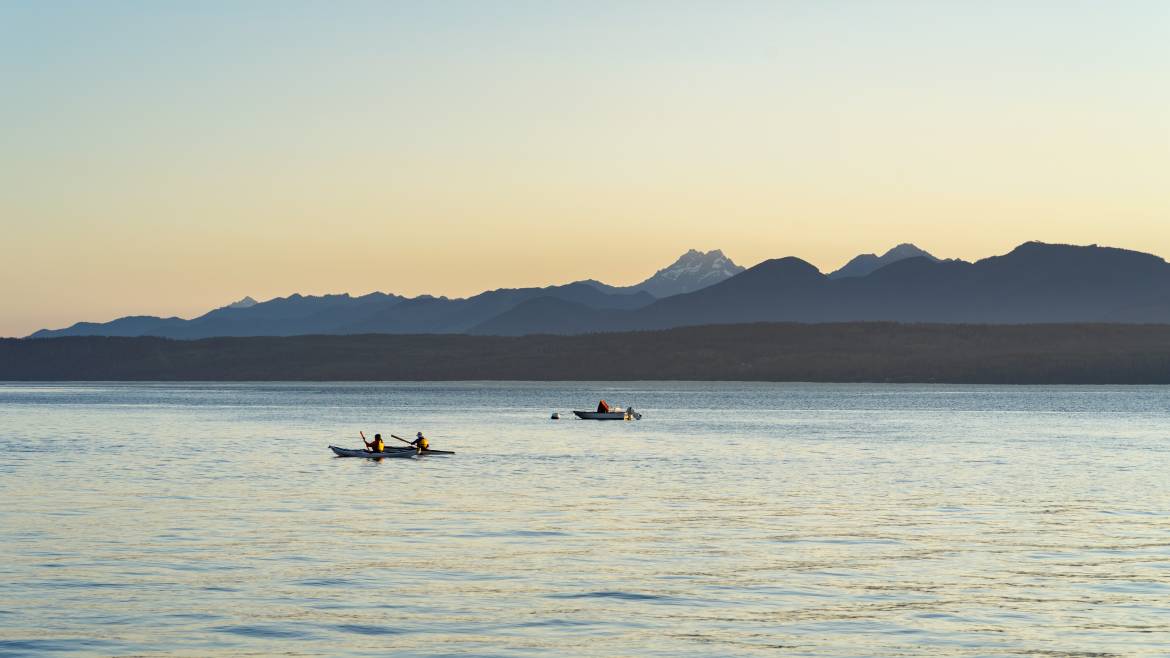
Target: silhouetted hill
{"x": 559, "y": 315}
{"x": 285, "y": 316}
{"x": 131, "y": 325}
{"x": 1035, "y": 283}
{"x": 440, "y": 315}
{"x": 852, "y": 352}
{"x": 866, "y": 264}
{"x": 769, "y": 290}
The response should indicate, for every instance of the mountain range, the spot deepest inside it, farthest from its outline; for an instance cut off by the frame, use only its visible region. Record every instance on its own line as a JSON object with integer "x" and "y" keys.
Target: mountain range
{"x": 867, "y": 264}
{"x": 1034, "y": 283}
{"x": 388, "y": 313}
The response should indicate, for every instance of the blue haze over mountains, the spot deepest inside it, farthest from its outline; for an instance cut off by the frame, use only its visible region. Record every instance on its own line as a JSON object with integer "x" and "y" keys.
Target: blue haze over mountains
{"x": 388, "y": 313}
{"x": 1034, "y": 283}
{"x": 867, "y": 264}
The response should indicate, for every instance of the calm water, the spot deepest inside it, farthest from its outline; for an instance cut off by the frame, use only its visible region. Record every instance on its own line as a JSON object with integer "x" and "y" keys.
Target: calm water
{"x": 734, "y": 519}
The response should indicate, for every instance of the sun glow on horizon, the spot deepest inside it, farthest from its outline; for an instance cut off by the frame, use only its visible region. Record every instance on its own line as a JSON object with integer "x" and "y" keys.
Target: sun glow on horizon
{"x": 167, "y": 160}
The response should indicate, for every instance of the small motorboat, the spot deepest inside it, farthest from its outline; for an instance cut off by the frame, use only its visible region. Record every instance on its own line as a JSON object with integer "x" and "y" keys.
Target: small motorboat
{"x": 628, "y": 414}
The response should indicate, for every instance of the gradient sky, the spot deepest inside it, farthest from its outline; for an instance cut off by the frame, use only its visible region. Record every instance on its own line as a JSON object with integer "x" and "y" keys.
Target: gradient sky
{"x": 166, "y": 158}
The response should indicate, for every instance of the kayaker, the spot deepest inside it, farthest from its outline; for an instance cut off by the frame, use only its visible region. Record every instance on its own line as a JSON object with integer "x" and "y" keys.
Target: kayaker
{"x": 421, "y": 442}
{"x": 603, "y": 407}
{"x": 376, "y": 445}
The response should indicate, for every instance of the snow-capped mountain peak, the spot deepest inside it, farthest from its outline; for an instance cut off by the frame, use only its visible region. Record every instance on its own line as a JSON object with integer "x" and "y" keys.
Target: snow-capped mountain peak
{"x": 692, "y": 271}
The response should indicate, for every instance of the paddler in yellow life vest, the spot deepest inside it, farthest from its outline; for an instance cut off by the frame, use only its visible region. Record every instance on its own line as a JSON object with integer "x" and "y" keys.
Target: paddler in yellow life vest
{"x": 421, "y": 442}
{"x": 376, "y": 445}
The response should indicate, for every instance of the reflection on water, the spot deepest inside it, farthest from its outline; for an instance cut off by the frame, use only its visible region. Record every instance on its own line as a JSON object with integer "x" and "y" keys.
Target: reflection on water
{"x": 734, "y": 519}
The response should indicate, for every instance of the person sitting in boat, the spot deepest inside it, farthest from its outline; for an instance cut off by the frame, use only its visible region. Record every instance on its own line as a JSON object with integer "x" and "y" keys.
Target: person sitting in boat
{"x": 421, "y": 442}
{"x": 603, "y": 407}
{"x": 376, "y": 445}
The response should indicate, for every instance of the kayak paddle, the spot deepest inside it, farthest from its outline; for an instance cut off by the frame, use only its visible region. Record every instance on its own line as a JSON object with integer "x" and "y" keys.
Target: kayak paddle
{"x": 368, "y": 449}
{"x": 407, "y": 443}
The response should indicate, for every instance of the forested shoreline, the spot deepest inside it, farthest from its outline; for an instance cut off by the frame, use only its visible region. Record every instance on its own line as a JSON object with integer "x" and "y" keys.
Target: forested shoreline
{"x": 835, "y": 352}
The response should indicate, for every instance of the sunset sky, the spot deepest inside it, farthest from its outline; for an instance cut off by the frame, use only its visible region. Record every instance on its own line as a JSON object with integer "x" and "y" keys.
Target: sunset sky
{"x": 167, "y": 158}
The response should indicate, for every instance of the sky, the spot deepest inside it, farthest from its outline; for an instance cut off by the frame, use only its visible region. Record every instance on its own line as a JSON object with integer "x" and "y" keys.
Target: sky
{"x": 167, "y": 158}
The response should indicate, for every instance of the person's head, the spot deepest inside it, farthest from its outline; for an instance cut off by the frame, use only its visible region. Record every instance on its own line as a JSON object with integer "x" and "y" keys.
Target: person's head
{"x": 378, "y": 437}
{"x": 419, "y": 435}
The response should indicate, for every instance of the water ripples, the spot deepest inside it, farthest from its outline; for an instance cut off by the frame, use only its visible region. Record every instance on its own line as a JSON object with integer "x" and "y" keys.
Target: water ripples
{"x": 735, "y": 519}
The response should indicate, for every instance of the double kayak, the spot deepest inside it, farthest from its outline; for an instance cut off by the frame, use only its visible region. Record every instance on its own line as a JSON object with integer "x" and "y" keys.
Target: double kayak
{"x": 358, "y": 452}
{"x": 388, "y": 452}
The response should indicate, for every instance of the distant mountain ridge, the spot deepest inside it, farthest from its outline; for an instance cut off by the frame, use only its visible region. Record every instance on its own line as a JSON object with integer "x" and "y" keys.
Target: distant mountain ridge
{"x": 1034, "y": 283}
{"x": 866, "y": 264}
{"x": 297, "y": 314}
{"x": 387, "y": 313}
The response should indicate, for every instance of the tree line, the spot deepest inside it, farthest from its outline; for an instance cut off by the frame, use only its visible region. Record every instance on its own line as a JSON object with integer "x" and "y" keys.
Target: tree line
{"x": 833, "y": 352}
